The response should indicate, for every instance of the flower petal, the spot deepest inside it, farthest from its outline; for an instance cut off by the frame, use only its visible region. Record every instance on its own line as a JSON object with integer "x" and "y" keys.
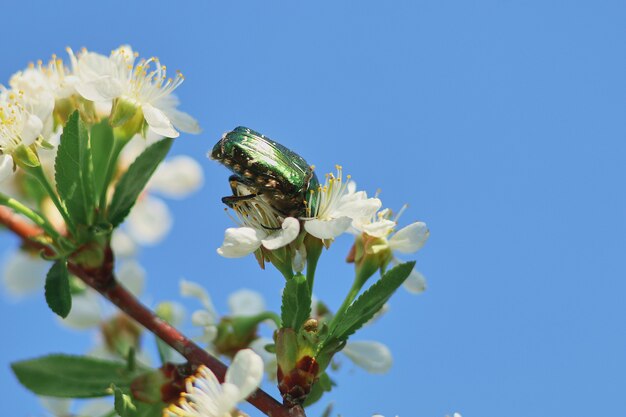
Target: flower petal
{"x": 415, "y": 283}
{"x": 409, "y": 239}
{"x": 177, "y": 177}
{"x": 360, "y": 211}
{"x": 86, "y": 311}
{"x": 327, "y": 229}
{"x": 158, "y": 121}
{"x": 56, "y": 406}
{"x": 122, "y": 244}
{"x": 245, "y": 372}
{"x": 288, "y": 233}
{"x": 183, "y": 122}
{"x": 191, "y": 289}
{"x": 379, "y": 228}
{"x": 202, "y": 318}
{"x": 372, "y": 356}
{"x": 149, "y": 221}
{"x": 24, "y": 273}
{"x": 240, "y": 241}
{"x": 6, "y": 167}
{"x": 31, "y": 130}
{"x": 246, "y": 303}
{"x": 132, "y": 275}
{"x": 269, "y": 359}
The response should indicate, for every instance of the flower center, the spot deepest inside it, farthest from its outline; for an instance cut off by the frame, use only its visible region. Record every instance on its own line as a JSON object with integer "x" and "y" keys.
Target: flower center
{"x": 327, "y": 197}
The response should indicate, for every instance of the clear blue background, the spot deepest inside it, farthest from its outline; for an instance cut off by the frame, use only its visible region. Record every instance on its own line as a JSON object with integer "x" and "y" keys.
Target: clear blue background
{"x": 501, "y": 123}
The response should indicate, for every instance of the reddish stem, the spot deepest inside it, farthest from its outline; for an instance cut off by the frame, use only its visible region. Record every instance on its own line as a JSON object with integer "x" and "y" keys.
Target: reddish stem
{"x": 102, "y": 280}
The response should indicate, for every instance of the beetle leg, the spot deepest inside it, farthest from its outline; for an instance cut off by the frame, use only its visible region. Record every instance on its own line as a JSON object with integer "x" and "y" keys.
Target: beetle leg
{"x": 232, "y": 200}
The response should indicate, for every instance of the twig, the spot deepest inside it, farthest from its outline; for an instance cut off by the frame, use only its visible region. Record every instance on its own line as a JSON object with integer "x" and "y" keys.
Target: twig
{"x": 103, "y": 281}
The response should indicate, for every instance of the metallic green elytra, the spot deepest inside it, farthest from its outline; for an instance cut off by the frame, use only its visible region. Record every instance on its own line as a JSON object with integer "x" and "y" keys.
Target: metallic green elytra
{"x": 267, "y": 168}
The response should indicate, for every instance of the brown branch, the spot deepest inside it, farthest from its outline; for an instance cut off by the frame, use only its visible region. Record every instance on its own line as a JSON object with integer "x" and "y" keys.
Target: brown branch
{"x": 103, "y": 281}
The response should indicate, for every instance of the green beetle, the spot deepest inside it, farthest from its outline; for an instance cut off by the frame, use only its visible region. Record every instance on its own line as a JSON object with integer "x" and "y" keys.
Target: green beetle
{"x": 266, "y": 168}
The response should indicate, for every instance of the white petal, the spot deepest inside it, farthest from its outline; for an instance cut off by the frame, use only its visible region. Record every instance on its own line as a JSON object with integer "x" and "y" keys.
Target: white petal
{"x": 288, "y": 233}
{"x": 191, "y": 289}
{"x": 57, "y": 406}
{"x": 177, "y": 177}
{"x": 149, "y": 221}
{"x": 6, "y": 167}
{"x": 379, "y": 228}
{"x": 327, "y": 229}
{"x": 103, "y": 88}
{"x": 240, "y": 241}
{"x": 226, "y": 402}
{"x": 183, "y": 122}
{"x": 360, "y": 211}
{"x": 158, "y": 121}
{"x": 269, "y": 359}
{"x": 86, "y": 311}
{"x": 24, "y": 273}
{"x": 122, "y": 244}
{"x": 372, "y": 356}
{"x": 132, "y": 275}
{"x": 298, "y": 260}
{"x": 31, "y": 130}
{"x": 95, "y": 408}
{"x": 415, "y": 283}
{"x": 409, "y": 239}
{"x": 245, "y": 372}
{"x": 202, "y": 318}
{"x": 246, "y": 303}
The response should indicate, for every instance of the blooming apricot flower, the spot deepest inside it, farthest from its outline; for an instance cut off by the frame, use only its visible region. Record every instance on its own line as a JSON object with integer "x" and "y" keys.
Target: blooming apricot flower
{"x": 338, "y": 206}
{"x": 133, "y": 87}
{"x": 206, "y": 397}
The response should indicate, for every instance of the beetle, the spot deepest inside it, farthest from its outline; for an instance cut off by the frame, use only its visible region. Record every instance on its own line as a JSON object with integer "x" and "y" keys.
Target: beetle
{"x": 266, "y": 168}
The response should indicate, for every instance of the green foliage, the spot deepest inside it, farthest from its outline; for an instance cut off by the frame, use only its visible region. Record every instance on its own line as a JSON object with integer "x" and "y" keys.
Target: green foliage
{"x": 370, "y": 302}
{"x": 296, "y": 306}
{"x": 72, "y": 376}
{"x": 57, "y": 289}
{"x": 74, "y": 171}
{"x": 135, "y": 179}
{"x": 123, "y": 403}
{"x": 102, "y": 143}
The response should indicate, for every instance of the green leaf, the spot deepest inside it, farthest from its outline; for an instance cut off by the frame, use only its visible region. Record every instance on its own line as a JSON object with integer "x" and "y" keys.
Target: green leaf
{"x": 74, "y": 171}
{"x": 135, "y": 179}
{"x": 102, "y": 143}
{"x": 123, "y": 403}
{"x": 370, "y": 302}
{"x": 58, "y": 293}
{"x": 72, "y": 376}
{"x": 296, "y": 306}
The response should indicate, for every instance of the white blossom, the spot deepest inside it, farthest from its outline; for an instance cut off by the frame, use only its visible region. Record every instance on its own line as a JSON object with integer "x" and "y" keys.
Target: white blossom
{"x": 143, "y": 84}
{"x": 206, "y": 397}
{"x": 24, "y": 272}
{"x": 372, "y": 356}
{"x": 21, "y": 124}
{"x": 407, "y": 240}
{"x": 337, "y": 206}
{"x": 241, "y": 303}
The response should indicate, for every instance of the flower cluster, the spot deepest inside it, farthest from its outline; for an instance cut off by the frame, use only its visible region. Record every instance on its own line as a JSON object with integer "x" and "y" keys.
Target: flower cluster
{"x": 136, "y": 96}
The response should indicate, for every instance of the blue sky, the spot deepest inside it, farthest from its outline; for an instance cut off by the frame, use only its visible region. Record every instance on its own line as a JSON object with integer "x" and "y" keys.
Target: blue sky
{"x": 500, "y": 123}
